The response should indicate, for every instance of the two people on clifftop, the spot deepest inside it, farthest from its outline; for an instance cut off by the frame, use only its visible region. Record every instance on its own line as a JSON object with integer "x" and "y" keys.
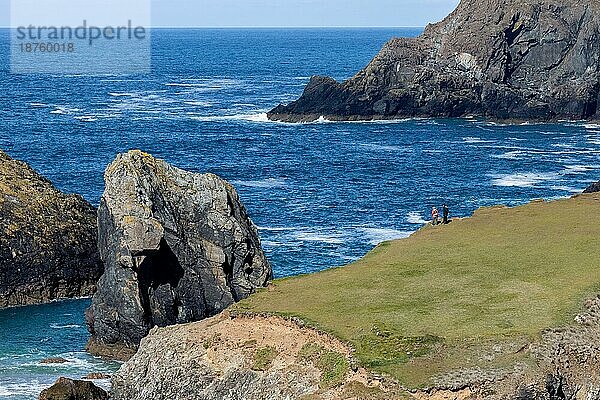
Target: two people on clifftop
{"x": 435, "y": 215}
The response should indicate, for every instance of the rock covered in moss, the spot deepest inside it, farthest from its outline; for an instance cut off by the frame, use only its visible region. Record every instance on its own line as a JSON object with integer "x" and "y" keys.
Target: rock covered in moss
{"x": 69, "y": 389}
{"x": 177, "y": 247}
{"x": 47, "y": 239}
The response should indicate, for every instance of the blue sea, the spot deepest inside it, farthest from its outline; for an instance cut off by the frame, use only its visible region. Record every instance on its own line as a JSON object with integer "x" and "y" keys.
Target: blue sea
{"x": 322, "y": 194}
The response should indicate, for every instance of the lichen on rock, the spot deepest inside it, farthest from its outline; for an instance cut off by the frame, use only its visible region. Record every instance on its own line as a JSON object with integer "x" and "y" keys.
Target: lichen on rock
{"x": 177, "y": 247}
{"x": 47, "y": 239}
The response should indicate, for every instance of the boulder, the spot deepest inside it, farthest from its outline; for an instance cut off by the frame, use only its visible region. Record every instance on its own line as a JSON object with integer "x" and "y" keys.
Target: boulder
{"x": 497, "y": 59}
{"x": 69, "y": 389}
{"x": 48, "y": 239}
{"x": 54, "y": 360}
{"x": 593, "y": 188}
{"x": 177, "y": 247}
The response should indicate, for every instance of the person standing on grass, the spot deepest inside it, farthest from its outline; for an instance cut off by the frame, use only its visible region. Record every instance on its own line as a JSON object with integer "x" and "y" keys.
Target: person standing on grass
{"x": 435, "y": 216}
{"x": 445, "y": 214}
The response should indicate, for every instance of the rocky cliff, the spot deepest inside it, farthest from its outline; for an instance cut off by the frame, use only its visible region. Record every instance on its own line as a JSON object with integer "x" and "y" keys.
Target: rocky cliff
{"x": 177, "y": 247}
{"x": 498, "y": 59}
{"x": 243, "y": 358}
{"x": 267, "y": 358}
{"x": 47, "y": 241}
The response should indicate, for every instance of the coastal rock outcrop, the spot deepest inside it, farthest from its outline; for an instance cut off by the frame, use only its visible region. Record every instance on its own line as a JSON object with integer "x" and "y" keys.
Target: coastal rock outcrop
{"x": 48, "y": 239}
{"x": 235, "y": 358}
{"x": 69, "y": 389}
{"x": 593, "y": 188}
{"x": 177, "y": 247}
{"x": 497, "y": 59}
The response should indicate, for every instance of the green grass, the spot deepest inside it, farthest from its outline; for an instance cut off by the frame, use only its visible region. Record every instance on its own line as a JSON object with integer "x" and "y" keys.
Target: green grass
{"x": 333, "y": 366}
{"x": 263, "y": 358}
{"x": 418, "y": 307}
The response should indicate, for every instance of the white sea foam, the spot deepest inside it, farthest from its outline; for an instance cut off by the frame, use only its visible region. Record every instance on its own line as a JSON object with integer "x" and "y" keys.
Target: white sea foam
{"x": 86, "y": 118}
{"x": 277, "y": 229}
{"x": 271, "y": 243}
{"x": 376, "y": 236}
{"x": 569, "y": 189}
{"x": 113, "y": 94}
{"x": 269, "y": 183}
{"x": 415, "y": 217}
{"x": 591, "y": 126}
{"x": 524, "y": 180}
{"x": 472, "y": 140}
{"x": 38, "y": 105}
{"x": 578, "y": 169}
{"x": 334, "y": 238}
{"x": 198, "y": 103}
{"x": 511, "y": 155}
{"x": 57, "y": 326}
{"x": 31, "y": 389}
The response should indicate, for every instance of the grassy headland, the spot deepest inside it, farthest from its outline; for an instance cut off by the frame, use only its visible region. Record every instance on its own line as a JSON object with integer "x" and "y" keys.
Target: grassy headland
{"x": 447, "y": 296}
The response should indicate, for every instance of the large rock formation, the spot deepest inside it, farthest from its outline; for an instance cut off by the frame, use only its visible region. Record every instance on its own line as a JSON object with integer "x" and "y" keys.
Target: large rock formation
{"x": 499, "y": 59}
{"x": 177, "y": 247}
{"x": 264, "y": 358}
{"x": 47, "y": 239}
{"x": 257, "y": 358}
{"x": 69, "y": 389}
{"x": 593, "y": 188}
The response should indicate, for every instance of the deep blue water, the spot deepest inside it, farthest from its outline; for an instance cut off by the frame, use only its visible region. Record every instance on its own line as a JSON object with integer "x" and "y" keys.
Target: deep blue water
{"x": 323, "y": 194}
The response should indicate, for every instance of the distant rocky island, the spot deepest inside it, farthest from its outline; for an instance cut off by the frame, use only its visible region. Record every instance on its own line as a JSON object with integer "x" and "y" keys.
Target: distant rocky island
{"x": 504, "y": 60}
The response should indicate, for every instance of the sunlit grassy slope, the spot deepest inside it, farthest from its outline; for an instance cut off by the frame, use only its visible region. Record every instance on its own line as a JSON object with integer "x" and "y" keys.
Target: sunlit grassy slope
{"x": 417, "y": 307}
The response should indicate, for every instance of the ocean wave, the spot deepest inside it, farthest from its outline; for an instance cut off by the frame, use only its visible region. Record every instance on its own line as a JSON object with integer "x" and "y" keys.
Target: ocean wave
{"x": 376, "y": 236}
{"x": 198, "y": 103}
{"x": 31, "y": 389}
{"x": 58, "y": 326}
{"x": 578, "y": 169}
{"x": 333, "y": 238}
{"x": 511, "y": 155}
{"x": 523, "y": 180}
{"x": 269, "y": 183}
{"x": 569, "y": 189}
{"x": 474, "y": 140}
{"x": 416, "y": 218}
{"x": 113, "y": 94}
{"x": 278, "y": 229}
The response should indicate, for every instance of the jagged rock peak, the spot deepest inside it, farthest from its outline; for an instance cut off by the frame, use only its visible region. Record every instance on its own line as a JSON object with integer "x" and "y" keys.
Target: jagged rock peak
{"x": 177, "y": 247}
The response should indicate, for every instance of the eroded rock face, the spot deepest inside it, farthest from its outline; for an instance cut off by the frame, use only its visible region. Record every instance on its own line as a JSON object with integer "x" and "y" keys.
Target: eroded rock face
{"x": 515, "y": 59}
{"x": 47, "y": 239}
{"x": 249, "y": 358}
{"x": 177, "y": 247}
{"x": 68, "y": 389}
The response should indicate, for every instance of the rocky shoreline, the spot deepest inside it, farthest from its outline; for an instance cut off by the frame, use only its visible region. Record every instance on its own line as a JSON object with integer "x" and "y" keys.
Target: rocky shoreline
{"x": 48, "y": 246}
{"x": 182, "y": 339}
{"x": 515, "y": 60}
